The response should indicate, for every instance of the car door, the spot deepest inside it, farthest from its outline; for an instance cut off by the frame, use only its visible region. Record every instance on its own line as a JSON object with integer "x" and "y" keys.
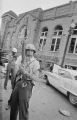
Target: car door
{"x": 54, "y": 79}
{"x": 51, "y": 78}
{"x": 66, "y": 82}
{"x": 74, "y": 85}
{"x": 61, "y": 74}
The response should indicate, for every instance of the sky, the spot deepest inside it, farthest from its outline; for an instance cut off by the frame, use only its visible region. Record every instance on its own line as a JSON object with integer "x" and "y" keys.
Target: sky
{"x": 21, "y": 6}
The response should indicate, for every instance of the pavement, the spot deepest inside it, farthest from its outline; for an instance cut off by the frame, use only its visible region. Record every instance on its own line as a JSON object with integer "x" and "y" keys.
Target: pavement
{"x": 46, "y": 103}
{"x": 4, "y": 96}
{"x": 1, "y": 97}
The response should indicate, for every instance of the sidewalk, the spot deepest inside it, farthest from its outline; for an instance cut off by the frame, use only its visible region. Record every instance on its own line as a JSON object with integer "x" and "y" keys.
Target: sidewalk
{"x": 5, "y": 94}
{"x": 5, "y": 97}
{"x": 0, "y": 95}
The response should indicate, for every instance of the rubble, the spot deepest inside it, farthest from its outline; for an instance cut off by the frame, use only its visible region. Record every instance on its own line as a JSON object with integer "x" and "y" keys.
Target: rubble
{"x": 65, "y": 112}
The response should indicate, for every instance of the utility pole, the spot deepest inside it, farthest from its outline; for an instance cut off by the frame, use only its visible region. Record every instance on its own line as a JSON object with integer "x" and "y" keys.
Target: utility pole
{"x": 65, "y": 50}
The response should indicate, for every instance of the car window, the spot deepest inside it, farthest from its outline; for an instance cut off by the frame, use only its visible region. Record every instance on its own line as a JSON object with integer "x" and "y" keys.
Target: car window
{"x": 61, "y": 72}
{"x": 75, "y": 77}
{"x": 64, "y": 74}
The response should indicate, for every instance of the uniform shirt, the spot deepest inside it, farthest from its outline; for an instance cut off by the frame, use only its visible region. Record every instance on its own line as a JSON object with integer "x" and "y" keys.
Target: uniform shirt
{"x": 12, "y": 67}
{"x": 17, "y": 64}
{"x": 32, "y": 66}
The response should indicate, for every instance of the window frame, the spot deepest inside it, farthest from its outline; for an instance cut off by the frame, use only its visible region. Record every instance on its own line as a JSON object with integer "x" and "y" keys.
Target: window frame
{"x": 56, "y": 35}
{"x": 56, "y": 38}
{"x": 44, "y": 38}
{"x": 57, "y": 32}
{"x": 73, "y": 36}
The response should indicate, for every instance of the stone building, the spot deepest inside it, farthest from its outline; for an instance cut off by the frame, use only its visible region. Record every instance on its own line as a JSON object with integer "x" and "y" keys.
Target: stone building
{"x": 47, "y": 29}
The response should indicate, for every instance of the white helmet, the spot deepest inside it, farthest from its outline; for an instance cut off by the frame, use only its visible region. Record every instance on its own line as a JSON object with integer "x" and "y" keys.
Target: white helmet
{"x": 14, "y": 50}
{"x": 30, "y": 47}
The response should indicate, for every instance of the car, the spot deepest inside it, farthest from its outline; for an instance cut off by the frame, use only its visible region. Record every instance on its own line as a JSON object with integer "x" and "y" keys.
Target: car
{"x": 3, "y": 57}
{"x": 64, "y": 80}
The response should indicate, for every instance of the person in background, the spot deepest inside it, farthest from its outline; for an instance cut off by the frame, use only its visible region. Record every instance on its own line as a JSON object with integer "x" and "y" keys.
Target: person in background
{"x": 23, "y": 89}
{"x": 12, "y": 68}
{"x": 51, "y": 67}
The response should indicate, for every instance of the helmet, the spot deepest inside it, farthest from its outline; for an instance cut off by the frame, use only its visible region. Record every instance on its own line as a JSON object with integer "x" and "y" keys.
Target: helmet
{"x": 30, "y": 47}
{"x": 14, "y": 50}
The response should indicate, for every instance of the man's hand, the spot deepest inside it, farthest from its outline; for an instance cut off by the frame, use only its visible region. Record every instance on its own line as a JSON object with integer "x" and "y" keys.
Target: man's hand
{"x": 5, "y": 87}
{"x": 26, "y": 73}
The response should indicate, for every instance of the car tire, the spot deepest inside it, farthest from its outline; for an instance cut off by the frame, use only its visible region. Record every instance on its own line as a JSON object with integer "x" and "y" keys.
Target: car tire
{"x": 73, "y": 99}
{"x": 46, "y": 78}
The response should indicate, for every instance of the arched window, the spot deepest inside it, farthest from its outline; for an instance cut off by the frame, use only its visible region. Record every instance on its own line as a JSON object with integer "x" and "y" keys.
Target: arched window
{"x": 56, "y": 38}
{"x": 73, "y": 41}
{"x": 21, "y": 33}
{"x": 43, "y": 38}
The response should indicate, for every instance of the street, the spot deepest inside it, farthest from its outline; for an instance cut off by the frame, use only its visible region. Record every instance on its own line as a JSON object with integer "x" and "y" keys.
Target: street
{"x": 44, "y": 104}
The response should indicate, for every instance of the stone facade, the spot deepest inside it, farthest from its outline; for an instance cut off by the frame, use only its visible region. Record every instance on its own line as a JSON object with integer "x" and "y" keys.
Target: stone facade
{"x": 47, "y": 29}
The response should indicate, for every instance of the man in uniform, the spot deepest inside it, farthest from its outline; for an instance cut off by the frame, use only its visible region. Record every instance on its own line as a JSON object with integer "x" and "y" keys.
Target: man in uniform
{"x": 12, "y": 69}
{"x": 23, "y": 88}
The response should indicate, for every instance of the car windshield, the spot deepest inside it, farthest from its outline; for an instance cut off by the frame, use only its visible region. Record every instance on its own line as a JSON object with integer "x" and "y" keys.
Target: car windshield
{"x": 64, "y": 74}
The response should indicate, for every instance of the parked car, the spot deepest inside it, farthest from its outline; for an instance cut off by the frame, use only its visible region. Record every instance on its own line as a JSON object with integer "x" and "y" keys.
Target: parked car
{"x": 64, "y": 80}
{"x": 3, "y": 57}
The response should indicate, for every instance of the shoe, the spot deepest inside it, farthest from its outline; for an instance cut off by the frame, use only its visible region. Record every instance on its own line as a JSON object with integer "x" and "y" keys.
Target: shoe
{"x": 7, "y": 107}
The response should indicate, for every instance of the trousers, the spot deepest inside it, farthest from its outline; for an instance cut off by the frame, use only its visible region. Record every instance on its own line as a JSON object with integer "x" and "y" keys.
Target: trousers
{"x": 20, "y": 100}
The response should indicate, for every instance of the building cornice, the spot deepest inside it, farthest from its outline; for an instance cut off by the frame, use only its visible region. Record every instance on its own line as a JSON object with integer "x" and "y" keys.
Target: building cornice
{"x": 11, "y": 14}
{"x": 57, "y": 17}
{"x": 70, "y": 2}
{"x": 29, "y": 13}
{"x": 55, "y": 13}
